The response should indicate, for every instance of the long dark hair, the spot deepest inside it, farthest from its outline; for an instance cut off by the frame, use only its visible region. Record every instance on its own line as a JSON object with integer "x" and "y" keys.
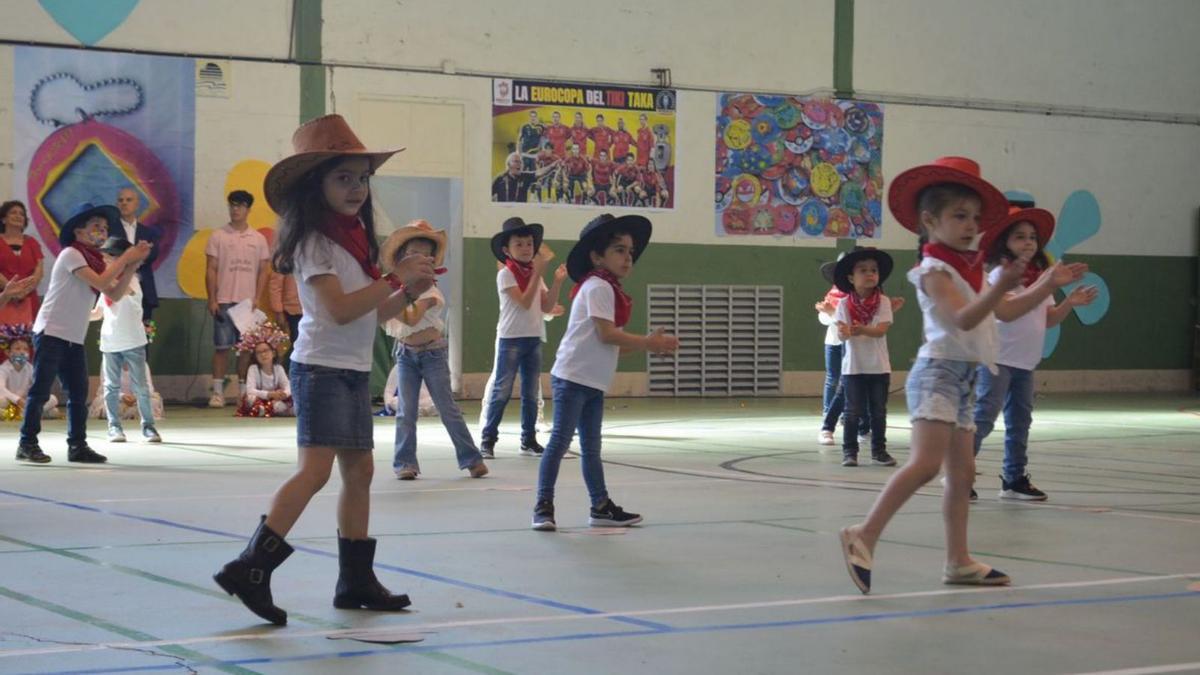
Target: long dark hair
{"x": 305, "y": 211}
{"x": 9, "y": 206}
{"x": 999, "y": 252}
{"x": 935, "y": 199}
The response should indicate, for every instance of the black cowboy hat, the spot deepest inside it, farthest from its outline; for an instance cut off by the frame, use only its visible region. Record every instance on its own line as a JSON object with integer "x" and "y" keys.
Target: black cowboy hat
{"x": 516, "y": 226}
{"x": 84, "y": 212}
{"x": 602, "y": 226}
{"x": 846, "y": 262}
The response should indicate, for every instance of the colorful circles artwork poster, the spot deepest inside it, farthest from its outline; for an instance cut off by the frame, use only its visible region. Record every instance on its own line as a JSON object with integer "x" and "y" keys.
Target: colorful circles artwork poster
{"x": 804, "y": 167}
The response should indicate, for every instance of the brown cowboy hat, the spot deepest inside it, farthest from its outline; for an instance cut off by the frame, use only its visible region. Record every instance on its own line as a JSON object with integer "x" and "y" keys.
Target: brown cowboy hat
{"x": 314, "y": 142}
{"x": 417, "y": 229}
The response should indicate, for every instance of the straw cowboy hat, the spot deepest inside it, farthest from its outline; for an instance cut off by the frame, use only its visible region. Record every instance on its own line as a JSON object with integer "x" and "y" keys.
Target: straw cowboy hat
{"x": 317, "y": 141}
{"x": 417, "y": 229}
{"x": 906, "y": 188}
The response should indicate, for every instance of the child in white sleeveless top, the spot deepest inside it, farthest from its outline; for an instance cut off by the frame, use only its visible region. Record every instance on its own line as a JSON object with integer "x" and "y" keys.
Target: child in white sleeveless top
{"x": 948, "y": 204}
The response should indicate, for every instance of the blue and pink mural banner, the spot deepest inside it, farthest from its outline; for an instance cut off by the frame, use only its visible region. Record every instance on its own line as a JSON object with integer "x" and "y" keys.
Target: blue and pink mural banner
{"x": 87, "y": 124}
{"x": 790, "y": 166}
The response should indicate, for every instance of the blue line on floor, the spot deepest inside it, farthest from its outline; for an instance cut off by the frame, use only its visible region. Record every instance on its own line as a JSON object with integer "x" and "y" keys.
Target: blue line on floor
{"x": 499, "y": 592}
{"x": 575, "y": 637}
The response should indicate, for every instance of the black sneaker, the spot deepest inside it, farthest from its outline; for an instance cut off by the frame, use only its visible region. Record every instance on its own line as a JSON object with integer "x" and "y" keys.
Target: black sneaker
{"x": 488, "y": 449}
{"x": 32, "y": 452}
{"x": 543, "y": 516}
{"x": 849, "y": 459}
{"x": 1021, "y": 489}
{"x": 531, "y": 448}
{"x": 882, "y": 458}
{"x": 85, "y": 455}
{"x": 609, "y": 514}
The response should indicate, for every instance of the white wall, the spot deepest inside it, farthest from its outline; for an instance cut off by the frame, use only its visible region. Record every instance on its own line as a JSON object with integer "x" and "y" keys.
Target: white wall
{"x": 1143, "y": 174}
{"x": 1128, "y": 54}
{"x": 247, "y": 28}
{"x": 765, "y": 45}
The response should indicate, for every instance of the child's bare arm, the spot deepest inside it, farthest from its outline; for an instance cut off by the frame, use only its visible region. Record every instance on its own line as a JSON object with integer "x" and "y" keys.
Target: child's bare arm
{"x": 1082, "y": 295}
{"x": 878, "y": 330}
{"x": 1016, "y": 305}
{"x": 967, "y": 315}
{"x": 657, "y": 342}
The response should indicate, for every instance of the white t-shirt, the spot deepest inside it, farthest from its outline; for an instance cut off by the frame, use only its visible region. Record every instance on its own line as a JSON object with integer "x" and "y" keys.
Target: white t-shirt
{"x": 943, "y": 340}
{"x": 14, "y": 384}
{"x": 434, "y": 317}
{"x": 865, "y": 355}
{"x": 831, "y": 333}
{"x": 259, "y": 384}
{"x": 321, "y": 342}
{"x": 122, "y": 328}
{"x": 516, "y": 321}
{"x": 582, "y": 358}
{"x": 67, "y": 307}
{"x": 1022, "y": 339}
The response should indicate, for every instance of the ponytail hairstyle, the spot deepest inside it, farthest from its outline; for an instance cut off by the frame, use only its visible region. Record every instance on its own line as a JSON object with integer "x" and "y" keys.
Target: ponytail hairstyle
{"x": 935, "y": 199}
{"x": 998, "y": 252}
{"x": 303, "y": 211}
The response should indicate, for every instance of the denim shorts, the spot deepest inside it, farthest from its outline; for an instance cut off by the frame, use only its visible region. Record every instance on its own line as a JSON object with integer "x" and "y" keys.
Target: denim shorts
{"x": 333, "y": 407}
{"x": 943, "y": 391}
{"x": 225, "y": 334}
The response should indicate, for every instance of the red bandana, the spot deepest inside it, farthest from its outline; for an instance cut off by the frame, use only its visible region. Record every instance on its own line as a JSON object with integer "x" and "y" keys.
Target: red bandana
{"x": 862, "y": 310}
{"x": 522, "y": 271}
{"x": 835, "y": 297}
{"x": 624, "y": 302}
{"x": 350, "y": 233}
{"x": 1032, "y": 272}
{"x": 91, "y": 255}
{"x": 968, "y": 264}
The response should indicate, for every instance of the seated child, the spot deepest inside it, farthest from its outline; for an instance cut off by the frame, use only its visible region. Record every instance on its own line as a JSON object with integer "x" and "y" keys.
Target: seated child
{"x": 268, "y": 392}
{"x": 391, "y": 390}
{"x": 16, "y": 375}
{"x": 127, "y": 404}
{"x": 422, "y": 355}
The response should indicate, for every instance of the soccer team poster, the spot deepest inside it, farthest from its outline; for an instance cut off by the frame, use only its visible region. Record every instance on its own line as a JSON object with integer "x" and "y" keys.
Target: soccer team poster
{"x": 577, "y": 145}
{"x": 790, "y": 166}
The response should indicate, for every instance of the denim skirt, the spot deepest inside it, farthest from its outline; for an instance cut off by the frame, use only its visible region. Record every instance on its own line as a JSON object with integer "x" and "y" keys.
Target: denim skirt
{"x": 333, "y": 407}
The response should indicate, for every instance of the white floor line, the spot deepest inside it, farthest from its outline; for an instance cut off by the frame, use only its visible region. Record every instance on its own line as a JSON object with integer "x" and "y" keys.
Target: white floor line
{"x": 1149, "y": 670}
{"x": 276, "y": 634}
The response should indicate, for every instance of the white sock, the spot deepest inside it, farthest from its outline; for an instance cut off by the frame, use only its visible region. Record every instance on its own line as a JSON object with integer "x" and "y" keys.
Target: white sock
{"x": 218, "y": 386}
{"x": 242, "y": 388}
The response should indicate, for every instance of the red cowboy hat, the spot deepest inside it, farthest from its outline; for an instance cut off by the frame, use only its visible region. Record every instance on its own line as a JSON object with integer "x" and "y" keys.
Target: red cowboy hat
{"x": 1041, "y": 219}
{"x": 906, "y": 188}
{"x": 314, "y": 142}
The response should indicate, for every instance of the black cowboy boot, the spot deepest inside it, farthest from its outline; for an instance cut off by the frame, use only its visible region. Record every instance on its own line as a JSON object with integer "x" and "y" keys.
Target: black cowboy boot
{"x": 249, "y": 575}
{"x": 357, "y": 587}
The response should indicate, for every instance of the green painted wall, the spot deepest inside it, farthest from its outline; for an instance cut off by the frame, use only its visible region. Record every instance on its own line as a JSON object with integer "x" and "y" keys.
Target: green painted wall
{"x": 1120, "y": 341}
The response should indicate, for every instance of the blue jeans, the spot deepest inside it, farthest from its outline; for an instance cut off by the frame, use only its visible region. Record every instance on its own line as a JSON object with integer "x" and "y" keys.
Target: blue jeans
{"x": 433, "y": 367}
{"x": 136, "y": 360}
{"x": 515, "y": 356}
{"x": 55, "y": 357}
{"x": 1012, "y": 388}
{"x": 575, "y": 406}
{"x": 834, "y": 400}
{"x": 866, "y": 395}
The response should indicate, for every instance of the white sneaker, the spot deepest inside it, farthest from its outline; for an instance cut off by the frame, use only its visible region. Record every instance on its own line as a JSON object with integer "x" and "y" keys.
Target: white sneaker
{"x": 864, "y": 440}
{"x": 825, "y": 437}
{"x": 216, "y": 401}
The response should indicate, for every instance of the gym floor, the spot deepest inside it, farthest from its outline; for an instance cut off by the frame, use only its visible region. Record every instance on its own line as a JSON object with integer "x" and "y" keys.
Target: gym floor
{"x": 736, "y": 568}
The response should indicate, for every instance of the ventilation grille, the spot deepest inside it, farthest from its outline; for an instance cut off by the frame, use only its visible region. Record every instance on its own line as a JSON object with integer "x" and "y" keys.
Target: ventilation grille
{"x": 730, "y": 340}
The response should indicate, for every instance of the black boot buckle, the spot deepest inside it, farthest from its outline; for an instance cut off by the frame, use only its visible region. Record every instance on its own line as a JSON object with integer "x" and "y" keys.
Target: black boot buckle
{"x": 270, "y": 544}
{"x": 256, "y": 576}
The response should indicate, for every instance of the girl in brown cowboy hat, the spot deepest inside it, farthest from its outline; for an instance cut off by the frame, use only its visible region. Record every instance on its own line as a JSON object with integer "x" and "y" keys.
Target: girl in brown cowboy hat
{"x": 327, "y": 239}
